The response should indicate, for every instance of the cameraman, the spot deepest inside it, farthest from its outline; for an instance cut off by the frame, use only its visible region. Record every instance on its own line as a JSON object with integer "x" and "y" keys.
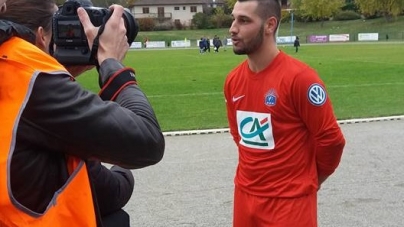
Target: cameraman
{"x": 49, "y": 125}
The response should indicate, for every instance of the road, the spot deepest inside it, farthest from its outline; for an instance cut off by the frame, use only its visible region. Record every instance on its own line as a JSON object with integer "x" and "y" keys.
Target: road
{"x": 193, "y": 184}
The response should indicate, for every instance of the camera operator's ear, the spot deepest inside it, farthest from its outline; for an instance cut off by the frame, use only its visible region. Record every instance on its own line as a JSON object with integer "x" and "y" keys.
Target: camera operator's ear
{"x": 40, "y": 40}
{"x": 3, "y": 8}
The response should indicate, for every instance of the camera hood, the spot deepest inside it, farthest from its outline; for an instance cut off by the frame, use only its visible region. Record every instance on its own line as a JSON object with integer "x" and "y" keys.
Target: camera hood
{"x": 83, "y": 3}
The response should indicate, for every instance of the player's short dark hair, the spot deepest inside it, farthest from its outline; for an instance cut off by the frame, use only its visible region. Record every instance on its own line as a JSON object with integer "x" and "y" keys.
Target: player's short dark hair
{"x": 268, "y": 8}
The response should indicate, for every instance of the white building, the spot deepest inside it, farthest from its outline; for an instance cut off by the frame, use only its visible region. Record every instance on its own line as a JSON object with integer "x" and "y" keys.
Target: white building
{"x": 172, "y": 10}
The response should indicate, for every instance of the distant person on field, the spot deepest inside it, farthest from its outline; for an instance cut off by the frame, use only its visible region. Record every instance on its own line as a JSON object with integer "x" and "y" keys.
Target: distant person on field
{"x": 207, "y": 47}
{"x": 224, "y": 43}
{"x": 202, "y": 45}
{"x": 146, "y": 42}
{"x": 296, "y": 44}
{"x": 217, "y": 43}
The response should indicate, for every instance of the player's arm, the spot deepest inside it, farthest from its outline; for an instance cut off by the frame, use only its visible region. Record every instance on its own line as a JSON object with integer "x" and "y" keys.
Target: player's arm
{"x": 314, "y": 107}
{"x": 231, "y": 112}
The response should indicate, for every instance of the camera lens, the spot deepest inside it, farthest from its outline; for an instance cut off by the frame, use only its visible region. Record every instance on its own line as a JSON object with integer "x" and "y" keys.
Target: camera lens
{"x": 131, "y": 25}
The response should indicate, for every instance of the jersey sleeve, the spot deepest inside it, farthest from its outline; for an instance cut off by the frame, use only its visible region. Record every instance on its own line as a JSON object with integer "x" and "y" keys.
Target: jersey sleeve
{"x": 313, "y": 104}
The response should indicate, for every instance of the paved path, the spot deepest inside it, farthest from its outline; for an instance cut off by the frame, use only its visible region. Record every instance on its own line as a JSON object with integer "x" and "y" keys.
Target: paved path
{"x": 193, "y": 184}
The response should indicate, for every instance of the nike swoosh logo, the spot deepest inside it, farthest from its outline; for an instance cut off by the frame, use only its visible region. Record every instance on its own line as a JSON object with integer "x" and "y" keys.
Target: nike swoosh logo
{"x": 235, "y": 99}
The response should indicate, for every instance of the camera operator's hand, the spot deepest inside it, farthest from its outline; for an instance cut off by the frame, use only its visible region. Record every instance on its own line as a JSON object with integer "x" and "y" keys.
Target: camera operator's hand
{"x": 113, "y": 42}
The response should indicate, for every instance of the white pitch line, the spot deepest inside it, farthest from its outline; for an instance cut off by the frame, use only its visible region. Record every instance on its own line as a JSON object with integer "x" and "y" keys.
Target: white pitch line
{"x": 364, "y": 85}
{"x": 330, "y": 86}
{"x": 184, "y": 95}
{"x": 226, "y": 130}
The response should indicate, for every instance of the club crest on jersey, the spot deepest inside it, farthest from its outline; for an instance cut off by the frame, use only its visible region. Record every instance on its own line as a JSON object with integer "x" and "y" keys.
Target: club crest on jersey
{"x": 255, "y": 130}
{"x": 271, "y": 98}
{"x": 317, "y": 95}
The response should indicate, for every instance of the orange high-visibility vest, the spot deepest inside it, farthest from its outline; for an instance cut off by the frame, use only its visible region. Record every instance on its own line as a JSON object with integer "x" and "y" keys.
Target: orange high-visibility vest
{"x": 72, "y": 206}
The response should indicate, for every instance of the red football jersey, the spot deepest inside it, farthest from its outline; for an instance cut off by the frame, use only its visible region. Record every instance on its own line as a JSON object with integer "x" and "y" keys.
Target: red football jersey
{"x": 284, "y": 126}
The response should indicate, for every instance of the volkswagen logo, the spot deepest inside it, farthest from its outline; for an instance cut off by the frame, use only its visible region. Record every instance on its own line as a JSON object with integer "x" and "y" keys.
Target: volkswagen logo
{"x": 317, "y": 95}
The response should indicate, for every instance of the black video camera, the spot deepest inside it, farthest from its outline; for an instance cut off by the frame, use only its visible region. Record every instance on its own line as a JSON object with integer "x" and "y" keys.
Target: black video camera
{"x": 70, "y": 45}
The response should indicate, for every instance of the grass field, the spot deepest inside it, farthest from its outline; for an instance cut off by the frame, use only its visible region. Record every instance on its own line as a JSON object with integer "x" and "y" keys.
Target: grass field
{"x": 185, "y": 87}
{"x": 394, "y": 29}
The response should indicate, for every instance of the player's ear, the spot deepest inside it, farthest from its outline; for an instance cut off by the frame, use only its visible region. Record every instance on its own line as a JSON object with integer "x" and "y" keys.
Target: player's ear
{"x": 270, "y": 26}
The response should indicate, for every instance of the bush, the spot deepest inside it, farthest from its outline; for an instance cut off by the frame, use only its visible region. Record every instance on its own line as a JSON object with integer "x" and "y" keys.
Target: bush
{"x": 347, "y": 15}
{"x": 178, "y": 25}
{"x": 221, "y": 21}
{"x": 201, "y": 21}
{"x": 285, "y": 16}
{"x": 164, "y": 26}
{"x": 351, "y": 6}
{"x": 146, "y": 24}
{"x": 299, "y": 17}
{"x": 371, "y": 16}
{"x": 227, "y": 21}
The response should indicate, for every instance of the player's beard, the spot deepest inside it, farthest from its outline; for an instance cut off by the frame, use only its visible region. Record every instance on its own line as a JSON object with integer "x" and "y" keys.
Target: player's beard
{"x": 253, "y": 45}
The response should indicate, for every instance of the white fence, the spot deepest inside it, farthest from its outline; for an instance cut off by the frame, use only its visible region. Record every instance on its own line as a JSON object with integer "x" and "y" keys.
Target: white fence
{"x": 320, "y": 38}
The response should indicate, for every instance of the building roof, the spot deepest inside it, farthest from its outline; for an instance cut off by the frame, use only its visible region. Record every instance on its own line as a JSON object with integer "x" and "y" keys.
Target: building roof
{"x": 175, "y": 2}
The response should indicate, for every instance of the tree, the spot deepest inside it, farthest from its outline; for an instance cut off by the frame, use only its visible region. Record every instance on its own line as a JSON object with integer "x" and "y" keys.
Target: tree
{"x": 386, "y": 8}
{"x": 221, "y": 19}
{"x": 60, "y": 2}
{"x": 201, "y": 21}
{"x": 350, "y": 6}
{"x": 318, "y": 9}
{"x": 104, "y": 3}
{"x": 230, "y": 3}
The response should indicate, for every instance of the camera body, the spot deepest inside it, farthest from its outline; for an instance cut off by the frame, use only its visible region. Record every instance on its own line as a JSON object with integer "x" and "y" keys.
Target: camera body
{"x": 70, "y": 45}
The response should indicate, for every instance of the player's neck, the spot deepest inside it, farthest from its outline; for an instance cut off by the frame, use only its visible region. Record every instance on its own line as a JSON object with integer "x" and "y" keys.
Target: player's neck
{"x": 259, "y": 60}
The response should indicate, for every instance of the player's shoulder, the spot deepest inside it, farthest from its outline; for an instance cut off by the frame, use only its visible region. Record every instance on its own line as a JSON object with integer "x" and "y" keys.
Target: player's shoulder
{"x": 236, "y": 71}
{"x": 294, "y": 62}
{"x": 297, "y": 67}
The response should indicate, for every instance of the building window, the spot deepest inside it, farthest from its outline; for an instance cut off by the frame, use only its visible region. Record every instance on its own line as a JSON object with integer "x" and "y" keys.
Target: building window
{"x": 145, "y": 10}
{"x": 184, "y": 8}
{"x": 177, "y": 8}
{"x": 193, "y": 9}
{"x": 160, "y": 12}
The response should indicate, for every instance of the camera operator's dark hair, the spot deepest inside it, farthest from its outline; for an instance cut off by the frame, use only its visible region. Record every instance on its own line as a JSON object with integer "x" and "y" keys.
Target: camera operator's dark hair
{"x": 267, "y": 9}
{"x": 32, "y": 13}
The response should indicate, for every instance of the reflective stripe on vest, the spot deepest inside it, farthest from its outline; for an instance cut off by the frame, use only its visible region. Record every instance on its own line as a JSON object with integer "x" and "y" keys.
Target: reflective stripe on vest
{"x": 72, "y": 205}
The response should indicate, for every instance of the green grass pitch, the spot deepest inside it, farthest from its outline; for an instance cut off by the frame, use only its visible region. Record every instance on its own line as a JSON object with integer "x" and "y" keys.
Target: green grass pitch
{"x": 186, "y": 88}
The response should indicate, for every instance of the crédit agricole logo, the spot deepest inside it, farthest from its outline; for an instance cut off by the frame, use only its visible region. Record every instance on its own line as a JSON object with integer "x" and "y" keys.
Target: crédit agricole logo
{"x": 255, "y": 130}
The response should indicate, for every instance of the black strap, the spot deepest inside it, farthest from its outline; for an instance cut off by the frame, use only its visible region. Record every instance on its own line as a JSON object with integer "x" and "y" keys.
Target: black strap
{"x": 96, "y": 41}
{"x": 117, "y": 81}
